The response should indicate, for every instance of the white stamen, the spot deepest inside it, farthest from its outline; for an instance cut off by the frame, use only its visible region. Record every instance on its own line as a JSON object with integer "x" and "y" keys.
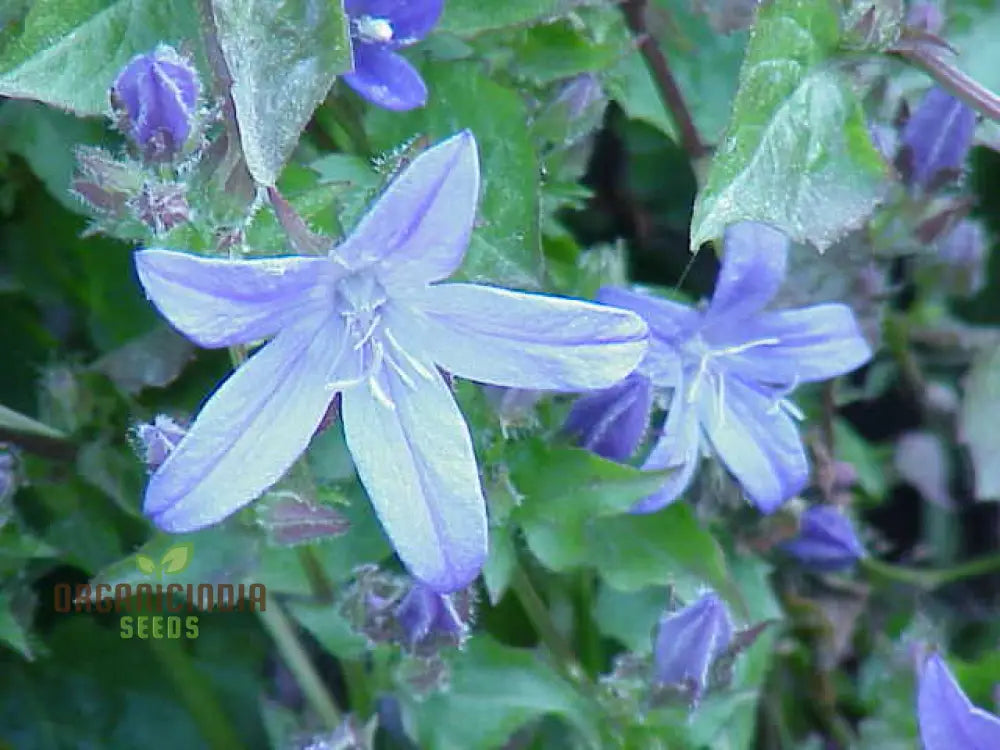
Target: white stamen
{"x": 374, "y": 29}
{"x": 410, "y": 359}
{"x": 740, "y": 348}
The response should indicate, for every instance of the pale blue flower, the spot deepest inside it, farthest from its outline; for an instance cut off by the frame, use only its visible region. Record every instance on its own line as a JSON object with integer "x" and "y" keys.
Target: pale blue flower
{"x": 729, "y": 367}
{"x": 948, "y": 719}
{"x": 370, "y": 322}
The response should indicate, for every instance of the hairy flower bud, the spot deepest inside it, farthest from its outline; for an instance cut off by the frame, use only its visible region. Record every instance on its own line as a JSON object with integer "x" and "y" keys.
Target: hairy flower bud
{"x": 157, "y": 439}
{"x": 689, "y": 641}
{"x": 936, "y": 140}
{"x": 155, "y": 97}
{"x": 963, "y": 252}
{"x": 162, "y": 206}
{"x": 826, "y": 540}
{"x": 429, "y": 619}
{"x": 103, "y": 182}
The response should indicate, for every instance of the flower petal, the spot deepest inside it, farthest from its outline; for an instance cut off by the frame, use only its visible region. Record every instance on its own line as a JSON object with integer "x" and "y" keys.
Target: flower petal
{"x": 251, "y": 430}
{"x": 947, "y": 718}
{"x": 612, "y": 422}
{"x": 525, "y": 340}
{"x": 217, "y": 302}
{"x": 756, "y": 440}
{"x": 678, "y": 448}
{"x": 414, "y": 455}
{"x": 668, "y": 320}
{"x": 419, "y": 228}
{"x": 386, "y": 78}
{"x": 814, "y": 343}
{"x": 411, "y": 20}
{"x": 753, "y": 267}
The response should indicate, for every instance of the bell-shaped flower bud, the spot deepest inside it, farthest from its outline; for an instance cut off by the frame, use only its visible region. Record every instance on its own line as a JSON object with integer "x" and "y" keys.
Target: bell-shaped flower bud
{"x": 155, "y": 98}
{"x": 963, "y": 252}
{"x": 826, "y": 540}
{"x": 936, "y": 140}
{"x": 689, "y": 641}
{"x": 613, "y": 422}
{"x": 948, "y": 720}
{"x": 429, "y": 620}
{"x": 157, "y": 439}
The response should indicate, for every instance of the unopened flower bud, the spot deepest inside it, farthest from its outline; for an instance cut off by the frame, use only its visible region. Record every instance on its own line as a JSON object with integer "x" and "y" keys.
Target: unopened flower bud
{"x": 8, "y": 482}
{"x": 936, "y": 140}
{"x": 963, "y": 252}
{"x": 429, "y": 619}
{"x": 155, "y": 97}
{"x": 925, "y": 17}
{"x": 290, "y": 519}
{"x": 157, "y": 439}
{"x": 826, "y": 540}
{"x": 613, "y": 422}
{"x": 689, "y": 641}
{"x": 162, "y": 206}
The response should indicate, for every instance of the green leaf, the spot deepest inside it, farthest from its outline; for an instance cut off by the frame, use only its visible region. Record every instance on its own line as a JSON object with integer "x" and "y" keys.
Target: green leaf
{"x": 574, "y": 514}
{"x": 471, "y": 17}
{"x": 506, "y": 246}
{"x": 979, "y": 417}
{"x": 71, "y": 50}
{"x": 567, "y": 47}
{"x": 17, "y": 422}
{"x": 494, "y": 690}
{"x": 797, "y": 153}
{"x": 283, "y": 59}
{"x": 13, "y": 630}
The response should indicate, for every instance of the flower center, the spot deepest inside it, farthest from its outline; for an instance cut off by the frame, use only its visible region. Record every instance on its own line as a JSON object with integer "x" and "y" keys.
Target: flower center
{"x": 359, "y": 299}
{"x": 374, "y": 30}
{"x": 708, "y": 369}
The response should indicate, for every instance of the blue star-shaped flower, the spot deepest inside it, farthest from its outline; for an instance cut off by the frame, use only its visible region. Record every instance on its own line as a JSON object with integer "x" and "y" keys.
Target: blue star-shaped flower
{"x": 729, "y": 368}
{"x": 378, "y": 29}
{"x": 370, "y": 322}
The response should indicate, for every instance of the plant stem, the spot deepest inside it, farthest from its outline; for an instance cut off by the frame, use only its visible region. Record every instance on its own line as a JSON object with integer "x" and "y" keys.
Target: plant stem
{"x": 670, "y": 92}
{"x": 282, "y": 632}
{"x": 956, "y": 82}
{"x": 196, "y": 694}
{"x": 931, "y": 578}
{"x": 537, "y": 612}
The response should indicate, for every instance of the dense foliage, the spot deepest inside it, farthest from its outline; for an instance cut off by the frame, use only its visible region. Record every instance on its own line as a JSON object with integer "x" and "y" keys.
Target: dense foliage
{"x": 523, "y": 374}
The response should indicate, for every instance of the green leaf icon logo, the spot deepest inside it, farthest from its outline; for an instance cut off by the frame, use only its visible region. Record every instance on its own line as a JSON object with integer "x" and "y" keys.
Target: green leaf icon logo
{"x": 145, "y": 564}
{"x": 176, "y": 558}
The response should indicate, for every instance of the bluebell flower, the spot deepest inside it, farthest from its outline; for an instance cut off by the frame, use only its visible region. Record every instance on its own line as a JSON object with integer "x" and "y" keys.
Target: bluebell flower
{"x": 370, "y": 321}
{"x": 156, "y": 95}
{"x": 689, "y": 641}
{"x": 936, "y": 140}
{"x": 730, "y": 367}
{"x": 378, "y": 29}
{"x": 826, "y": 540}
{"x": 948, "y": 719}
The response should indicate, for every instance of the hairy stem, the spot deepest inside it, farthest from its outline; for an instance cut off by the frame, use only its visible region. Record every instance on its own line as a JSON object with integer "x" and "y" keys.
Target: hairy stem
{"x": 949, "y": 77}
